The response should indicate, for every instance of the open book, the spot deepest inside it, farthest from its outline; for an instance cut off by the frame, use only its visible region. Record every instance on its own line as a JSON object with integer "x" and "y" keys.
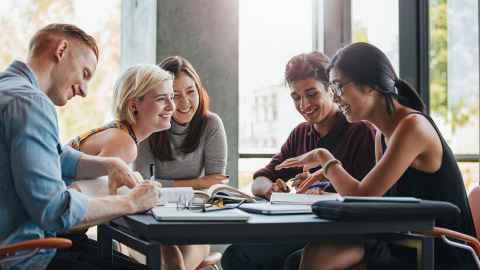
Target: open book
{"x": 221, "y": 191}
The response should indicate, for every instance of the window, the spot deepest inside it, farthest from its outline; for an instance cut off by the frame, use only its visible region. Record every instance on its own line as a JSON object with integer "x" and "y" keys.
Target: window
{"x": 380, "y": 29}
{"x": 102, "y": 21}
{"x": 270, "y": 34}
{"x": 454, "y": 79}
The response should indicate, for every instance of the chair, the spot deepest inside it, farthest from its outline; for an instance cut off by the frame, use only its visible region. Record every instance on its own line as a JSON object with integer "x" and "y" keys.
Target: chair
{"x": 7, "y": 252}
{"x": 211, "y": 261}
{"x": 472, "y": 244}
{"x": 474, "y": 200}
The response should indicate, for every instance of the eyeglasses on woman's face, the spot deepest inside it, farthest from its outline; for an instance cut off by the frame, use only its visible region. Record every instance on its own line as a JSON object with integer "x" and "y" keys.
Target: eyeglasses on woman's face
{"x": 336, "y": 88}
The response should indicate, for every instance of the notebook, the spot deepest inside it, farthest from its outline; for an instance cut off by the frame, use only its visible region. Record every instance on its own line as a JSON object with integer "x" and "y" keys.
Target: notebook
{"x": 167, "y": 213}
{"x": 309, "y": 199}
{"x": 305, "y": 199}
{"x": 276, "y": 209}
{"x": 99, "y": 187}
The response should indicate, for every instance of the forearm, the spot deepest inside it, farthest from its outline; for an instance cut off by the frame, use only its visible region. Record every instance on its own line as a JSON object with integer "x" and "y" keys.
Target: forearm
{"x": 90, "y": 167}
{"x": 201, "y": 182}
{"x": 261, "y": 186}
{"x": 103, "y": 209}
{"x": 343, "y": 182}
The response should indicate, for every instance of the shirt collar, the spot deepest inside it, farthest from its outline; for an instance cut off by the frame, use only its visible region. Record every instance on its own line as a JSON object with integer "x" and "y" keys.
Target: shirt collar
{"x": 338, "y": 128}
{"x": 179, "y": 129}
{"x": 21, "y": 68}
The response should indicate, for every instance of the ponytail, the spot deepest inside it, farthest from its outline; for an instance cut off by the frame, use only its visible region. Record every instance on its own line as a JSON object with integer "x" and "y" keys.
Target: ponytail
{"x": 407, "y": 96}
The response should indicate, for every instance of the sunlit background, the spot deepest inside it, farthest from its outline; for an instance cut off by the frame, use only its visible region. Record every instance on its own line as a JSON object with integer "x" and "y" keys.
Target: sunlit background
{"x": 269, "y": 35}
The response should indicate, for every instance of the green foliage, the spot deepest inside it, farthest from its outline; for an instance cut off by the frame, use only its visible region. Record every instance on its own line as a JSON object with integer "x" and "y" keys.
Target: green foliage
{"x": 438, "y": 60}
{"x": 459, "y": 112}
{"x": 80, "y": 114}
{"x": 360, "y": 33}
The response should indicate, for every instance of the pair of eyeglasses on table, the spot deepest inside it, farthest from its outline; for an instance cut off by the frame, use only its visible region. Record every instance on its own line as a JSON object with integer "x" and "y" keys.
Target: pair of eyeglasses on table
{"x": 207, "y": 207}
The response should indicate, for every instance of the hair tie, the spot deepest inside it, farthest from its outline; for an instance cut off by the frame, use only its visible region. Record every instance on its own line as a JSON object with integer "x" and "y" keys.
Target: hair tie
{"x": 395, "y": 86}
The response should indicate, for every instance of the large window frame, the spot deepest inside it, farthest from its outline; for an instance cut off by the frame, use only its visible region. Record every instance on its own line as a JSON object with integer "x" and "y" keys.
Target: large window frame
{"x": 331, "y": 21}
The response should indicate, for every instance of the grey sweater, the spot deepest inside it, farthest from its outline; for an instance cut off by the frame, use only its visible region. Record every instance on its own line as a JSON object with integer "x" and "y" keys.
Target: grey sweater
{"x": 210, "y": 157}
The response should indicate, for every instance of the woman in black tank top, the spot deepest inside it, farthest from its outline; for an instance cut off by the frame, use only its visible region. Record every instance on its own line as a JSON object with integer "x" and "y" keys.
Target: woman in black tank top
{"x": 413, "y": 159}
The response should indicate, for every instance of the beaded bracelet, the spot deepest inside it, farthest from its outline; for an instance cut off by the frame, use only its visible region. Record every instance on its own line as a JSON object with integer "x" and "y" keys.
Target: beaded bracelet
{"x": 330, "y": 163}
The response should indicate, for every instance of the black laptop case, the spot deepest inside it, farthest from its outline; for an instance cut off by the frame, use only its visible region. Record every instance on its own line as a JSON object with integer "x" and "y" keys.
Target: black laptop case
{"x": 374, "y": 211}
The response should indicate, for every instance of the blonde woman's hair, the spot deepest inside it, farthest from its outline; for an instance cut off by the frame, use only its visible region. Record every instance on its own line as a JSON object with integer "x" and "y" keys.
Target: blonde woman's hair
{"x": 135, "y": 83}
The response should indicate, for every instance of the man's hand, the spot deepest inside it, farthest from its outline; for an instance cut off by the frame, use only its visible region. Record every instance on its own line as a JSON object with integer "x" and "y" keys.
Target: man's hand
{"x": 144, "y": 196}
{"x": 119, "y": 174}
{"x": 278, "y": 186}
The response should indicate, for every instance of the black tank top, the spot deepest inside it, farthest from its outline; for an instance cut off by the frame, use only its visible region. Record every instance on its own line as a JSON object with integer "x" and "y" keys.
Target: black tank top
{"x": 446, "y": 184}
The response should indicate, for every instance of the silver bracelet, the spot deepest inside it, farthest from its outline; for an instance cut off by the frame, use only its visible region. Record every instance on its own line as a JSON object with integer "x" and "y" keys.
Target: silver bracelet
{"x": 330, "y": 163}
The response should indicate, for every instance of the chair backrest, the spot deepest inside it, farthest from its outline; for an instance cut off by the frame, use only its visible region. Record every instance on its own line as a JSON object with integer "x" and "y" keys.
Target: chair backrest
{"x": 8, "y": 252}
{"x": 474, "y": 200}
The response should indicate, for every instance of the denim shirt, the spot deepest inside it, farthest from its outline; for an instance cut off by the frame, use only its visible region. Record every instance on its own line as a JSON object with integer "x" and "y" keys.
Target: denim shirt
{"x": 34, "y": 168}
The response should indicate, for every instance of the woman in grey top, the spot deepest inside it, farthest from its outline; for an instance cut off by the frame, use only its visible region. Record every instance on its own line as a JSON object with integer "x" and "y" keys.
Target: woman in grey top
{"x": 193, "y": 152}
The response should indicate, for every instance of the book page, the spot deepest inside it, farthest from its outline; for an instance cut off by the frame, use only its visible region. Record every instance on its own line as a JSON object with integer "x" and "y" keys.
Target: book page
{"x": 229, "y": 190}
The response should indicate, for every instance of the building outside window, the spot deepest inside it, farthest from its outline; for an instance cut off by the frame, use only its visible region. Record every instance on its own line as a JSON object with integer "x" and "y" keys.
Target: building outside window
{"x": 453, "y": 59}
{"x": 269, "y": 35}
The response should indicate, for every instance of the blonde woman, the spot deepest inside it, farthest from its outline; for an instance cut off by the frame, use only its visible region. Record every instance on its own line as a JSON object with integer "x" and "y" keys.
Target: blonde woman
{"x": 142, "y": 104}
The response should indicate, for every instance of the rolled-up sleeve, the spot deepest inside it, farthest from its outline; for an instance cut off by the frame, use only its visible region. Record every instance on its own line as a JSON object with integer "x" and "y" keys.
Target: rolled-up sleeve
{"x": 32, "y": 134}
{"x": 69, "y": 160}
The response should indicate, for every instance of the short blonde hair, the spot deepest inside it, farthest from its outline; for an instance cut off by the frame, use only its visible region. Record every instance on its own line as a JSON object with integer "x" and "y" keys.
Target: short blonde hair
{"x": 135, "y": 83}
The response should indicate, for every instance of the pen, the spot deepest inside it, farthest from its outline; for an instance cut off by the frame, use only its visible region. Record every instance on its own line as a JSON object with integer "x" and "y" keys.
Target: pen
{"x": 293, "y": 179}
{"x": 152, "y": 171}
{"x": 321, "y": 185}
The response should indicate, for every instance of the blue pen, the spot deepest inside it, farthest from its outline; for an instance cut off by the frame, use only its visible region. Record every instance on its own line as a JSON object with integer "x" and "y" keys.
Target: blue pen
{"x": 321, "y": 185}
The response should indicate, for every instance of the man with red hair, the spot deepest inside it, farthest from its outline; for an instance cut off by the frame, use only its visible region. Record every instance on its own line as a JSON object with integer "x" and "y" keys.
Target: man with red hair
{"x": 35, "y": 169}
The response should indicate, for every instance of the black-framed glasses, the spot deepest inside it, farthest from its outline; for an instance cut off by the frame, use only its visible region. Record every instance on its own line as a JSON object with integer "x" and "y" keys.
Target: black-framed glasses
{"x": 336, "y": 88}
{"x": 216, "y": 205}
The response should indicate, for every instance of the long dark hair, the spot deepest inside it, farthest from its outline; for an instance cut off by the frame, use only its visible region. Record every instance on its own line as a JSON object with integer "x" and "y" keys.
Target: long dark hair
{"x": 160, "y": 142}
{"x": 367, "y": 65}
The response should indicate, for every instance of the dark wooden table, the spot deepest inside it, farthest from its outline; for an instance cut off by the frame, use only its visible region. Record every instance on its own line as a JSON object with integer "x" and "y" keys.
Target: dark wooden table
{"x": 145, "y": 234}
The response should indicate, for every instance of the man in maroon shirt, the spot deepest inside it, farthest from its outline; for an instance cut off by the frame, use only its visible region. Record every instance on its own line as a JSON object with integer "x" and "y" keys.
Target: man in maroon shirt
{"x": 325, "y": 126}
